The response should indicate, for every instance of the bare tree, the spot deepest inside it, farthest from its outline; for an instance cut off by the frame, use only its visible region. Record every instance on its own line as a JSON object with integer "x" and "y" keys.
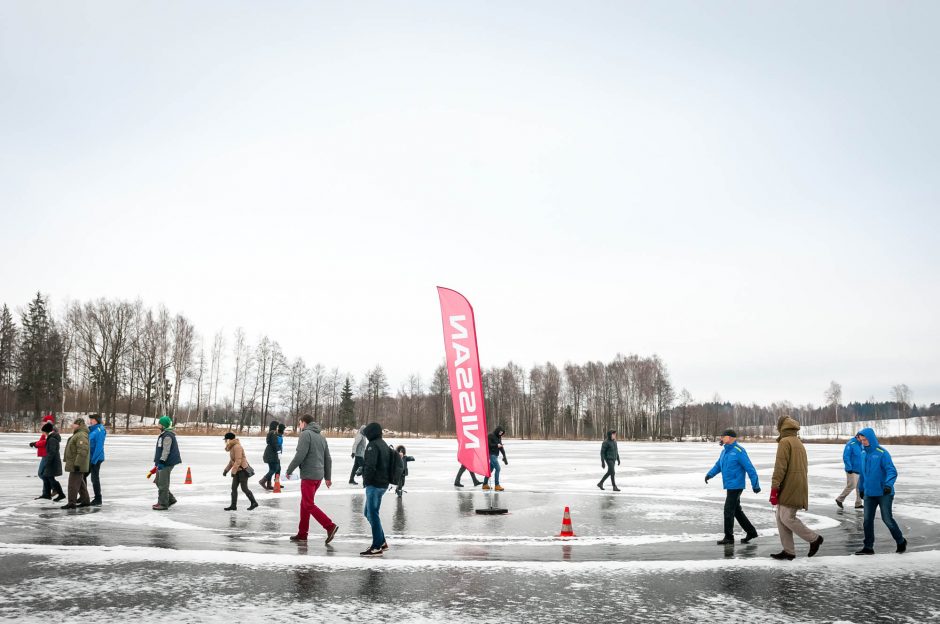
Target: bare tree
{"x": 833, "y": 396}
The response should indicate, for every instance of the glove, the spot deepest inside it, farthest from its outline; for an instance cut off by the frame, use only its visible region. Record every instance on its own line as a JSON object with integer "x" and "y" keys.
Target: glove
{"x": 505, "y": 461}
{"x": 225, "y": 473}
{"x": 861, "y": 494}
{"x": 618, "y": 462}
{"x": 707, "y": 478}
{"x": 161, "y": 466}
{"x": 774, "y": 496}
{"x": 353, "y": 455}
{"x": 603, "y": 465}
{"x": 32, "y": 445}
{"x": 887, "y": 490}
{"x": 757, "y": 490}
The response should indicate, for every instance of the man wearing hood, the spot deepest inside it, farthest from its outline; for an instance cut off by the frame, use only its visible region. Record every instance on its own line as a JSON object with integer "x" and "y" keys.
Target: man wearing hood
{"x": 734, "y": 464}
{"x": 96, "y": 436}
{"x": 77, "y": 457}
{"x": 789, "y": 490}
{"x": 316, "y": 466}
{"x": 270, "y": 456}
{"x": 495, "y": 443}
{"x": 876, "y": 485}
{"x": 852, "y": 460}
{"x": 358, "y": 452}
{"x": 609, "y": 455}
{"x": 376, "y": 469}
{"x": 166, "y": 456}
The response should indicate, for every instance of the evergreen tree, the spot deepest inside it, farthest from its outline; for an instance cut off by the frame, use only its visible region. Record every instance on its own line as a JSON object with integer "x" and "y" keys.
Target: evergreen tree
{"x": 347, "y": 407}
{"x": 7, "y": 360}
{"x": 39, "y": 361}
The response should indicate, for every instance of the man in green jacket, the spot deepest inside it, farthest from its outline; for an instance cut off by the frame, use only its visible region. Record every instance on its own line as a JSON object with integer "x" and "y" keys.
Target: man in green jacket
{"x": 789, "y": 490}
{"x": 77, "y": 460}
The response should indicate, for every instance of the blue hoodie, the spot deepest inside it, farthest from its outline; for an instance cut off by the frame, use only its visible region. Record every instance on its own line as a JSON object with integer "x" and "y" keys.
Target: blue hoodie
{"x": 852, "y": 456}
{"x": 732, "y": 464}
{"x": 96, "y": 435}
{"x": 878, "y": 471}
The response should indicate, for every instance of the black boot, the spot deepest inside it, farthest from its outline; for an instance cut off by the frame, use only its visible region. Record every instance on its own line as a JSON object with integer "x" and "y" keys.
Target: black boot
{"x": 254, "y": 503}
{"x": 814, "y": 546}
{"x": 458, "y": 484}
{"x": 902, "y": 547}
{"x": 783, "y": 556}
{"x": 726, "y": 541}
{"x": 747, "y": 538}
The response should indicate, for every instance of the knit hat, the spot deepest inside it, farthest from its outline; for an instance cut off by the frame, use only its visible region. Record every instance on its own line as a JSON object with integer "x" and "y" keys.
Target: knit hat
{"x": 48, "y": 427}
{"x": 80, "y": 421}
{"x": 273, "y": 425}
{"x": 729, "y": 432}
{"x": 48, "y": 418}
{"x": 166, "y": 422}
{"x": 229, "y": 436}
{"x": 96, "y": 417}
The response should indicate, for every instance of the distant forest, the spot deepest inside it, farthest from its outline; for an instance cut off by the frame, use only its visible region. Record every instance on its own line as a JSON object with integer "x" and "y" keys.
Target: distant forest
{"x": 122, "y": 358}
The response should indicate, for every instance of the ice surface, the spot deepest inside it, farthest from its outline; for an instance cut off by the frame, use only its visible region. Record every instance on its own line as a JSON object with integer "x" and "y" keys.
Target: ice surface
{"x": 648, "y": 551}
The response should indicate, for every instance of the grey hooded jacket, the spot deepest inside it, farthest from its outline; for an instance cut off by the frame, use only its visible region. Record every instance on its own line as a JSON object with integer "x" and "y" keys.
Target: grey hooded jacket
{"x": 313, "y": 455}
{"x": 360, "y": 443}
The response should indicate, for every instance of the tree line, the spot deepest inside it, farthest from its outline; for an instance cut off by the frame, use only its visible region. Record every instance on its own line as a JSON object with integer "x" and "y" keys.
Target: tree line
{"x": 126, "y": 360}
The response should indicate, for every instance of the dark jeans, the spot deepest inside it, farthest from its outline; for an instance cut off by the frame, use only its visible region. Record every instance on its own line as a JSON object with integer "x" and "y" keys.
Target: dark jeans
{"x": 611, "y": 471}
{"x": 52, "y": 485}
{"x": 356, "y": 465}
{"x": 734, "y": 512}
{"x": 273, "y": 469}
{"x": 462, "y": 470}
{"x": 494, "y": 470}
{"x": 95, "y": 479}
{"x": 885, "y": 502}
{"x": 240, "y": 479}
{"x": 371, "y": 512}
{"x": 45, "y": 486}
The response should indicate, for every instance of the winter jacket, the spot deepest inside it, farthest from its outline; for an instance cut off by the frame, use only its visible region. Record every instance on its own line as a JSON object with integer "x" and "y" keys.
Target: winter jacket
{"x": 878, "y": 471}
{"x": 791, "y": 468}
{"x": 270, "y": 449}
{"x": 280, "y": 444}
{"x": 312, "y": 455}
{"x": 376, "y": 457}
{"x": 77, "y": 452}
{"x": 237, "y": 461}
{"x": 494, "y": 440}
{"x": 733, "y": 463}
{"x": 168, "y": 450}
{"x": 609, "y": 448}
{"x": 405, "y": 460}
{"x": 53, "y": 466}
{"x": 41, "y": 446}
{"x": 96, "y": 436}
{"x": 852, "y": 456}
{"x": 360, "y": 443}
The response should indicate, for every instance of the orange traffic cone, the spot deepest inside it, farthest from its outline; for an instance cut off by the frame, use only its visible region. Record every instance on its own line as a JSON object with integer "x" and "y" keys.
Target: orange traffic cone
{"x": 277, "y": 484}
{"x": 189, "y": 476}
{"x": 566, "y": 528}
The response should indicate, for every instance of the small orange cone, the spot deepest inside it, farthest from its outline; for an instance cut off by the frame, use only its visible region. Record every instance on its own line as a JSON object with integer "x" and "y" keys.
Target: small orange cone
{"x": 189, "y": 476}
{"x": 566, "y": 528}
{"x": 277, "y": 484}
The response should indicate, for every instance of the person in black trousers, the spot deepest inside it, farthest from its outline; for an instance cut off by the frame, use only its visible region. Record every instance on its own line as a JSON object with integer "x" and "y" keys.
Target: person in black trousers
{"x": 609, "y": 455}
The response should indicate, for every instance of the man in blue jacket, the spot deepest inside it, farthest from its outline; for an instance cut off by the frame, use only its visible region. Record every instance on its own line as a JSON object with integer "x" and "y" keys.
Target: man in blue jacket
{"x": 852, "y": 459}
{"x": 876, "y": 485}
{"x": 733, "y": 463}
{"x": 96, "y": 436}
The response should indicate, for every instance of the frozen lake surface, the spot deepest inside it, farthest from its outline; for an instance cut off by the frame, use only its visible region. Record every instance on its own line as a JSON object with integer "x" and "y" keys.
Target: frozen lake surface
{"x": 647, "y": 554}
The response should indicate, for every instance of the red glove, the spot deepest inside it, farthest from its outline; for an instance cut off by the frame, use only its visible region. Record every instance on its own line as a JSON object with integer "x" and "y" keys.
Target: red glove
{"x": 774, "y": 496}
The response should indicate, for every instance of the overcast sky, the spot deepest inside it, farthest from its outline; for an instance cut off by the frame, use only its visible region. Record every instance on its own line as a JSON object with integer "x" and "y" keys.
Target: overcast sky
{"x": 749, "y": 190}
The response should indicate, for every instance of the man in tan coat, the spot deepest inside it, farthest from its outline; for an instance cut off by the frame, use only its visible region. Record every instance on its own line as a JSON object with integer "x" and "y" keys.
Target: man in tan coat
{"x": 789, "y": 490}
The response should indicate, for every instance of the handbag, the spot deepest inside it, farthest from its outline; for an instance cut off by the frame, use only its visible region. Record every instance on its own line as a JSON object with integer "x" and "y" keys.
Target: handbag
{"x": 249, "y": 471}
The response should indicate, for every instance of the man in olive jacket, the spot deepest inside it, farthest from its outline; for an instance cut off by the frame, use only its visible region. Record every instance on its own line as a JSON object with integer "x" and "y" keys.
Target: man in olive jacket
{"x": 77, "y": 461}
{"x": 789, "y": 490}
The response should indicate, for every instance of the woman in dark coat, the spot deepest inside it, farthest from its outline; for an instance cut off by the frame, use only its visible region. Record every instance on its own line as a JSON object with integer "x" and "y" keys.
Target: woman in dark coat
{"x": 53, "y": 466}
{"x": 270, "y": 456}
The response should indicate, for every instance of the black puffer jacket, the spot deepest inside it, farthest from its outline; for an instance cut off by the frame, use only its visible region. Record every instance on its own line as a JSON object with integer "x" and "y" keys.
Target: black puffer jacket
{"x": 495, "y": 440}
{"x": 53, "y": 467}
{"x": 376, "y": 457}
{"x": 270, "y": 449}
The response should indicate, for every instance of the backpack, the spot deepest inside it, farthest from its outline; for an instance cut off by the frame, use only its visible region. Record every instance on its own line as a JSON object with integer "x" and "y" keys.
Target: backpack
{"x": 396, "y": 466}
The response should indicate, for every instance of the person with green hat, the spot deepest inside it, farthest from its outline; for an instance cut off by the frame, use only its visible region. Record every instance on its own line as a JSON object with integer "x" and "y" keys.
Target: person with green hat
{"x": 165, "y": 457}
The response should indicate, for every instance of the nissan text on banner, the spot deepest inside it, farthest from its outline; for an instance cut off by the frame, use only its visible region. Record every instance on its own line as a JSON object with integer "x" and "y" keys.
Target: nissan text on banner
{"x": 466, "y": 383}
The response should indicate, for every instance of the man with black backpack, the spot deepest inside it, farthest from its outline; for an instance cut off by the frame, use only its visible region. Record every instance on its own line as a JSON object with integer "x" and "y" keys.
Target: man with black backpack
{"x": 382, "y": 466}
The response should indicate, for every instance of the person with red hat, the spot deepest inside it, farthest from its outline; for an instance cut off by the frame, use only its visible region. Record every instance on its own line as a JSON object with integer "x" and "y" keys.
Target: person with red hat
{"x": 40, "y": 446}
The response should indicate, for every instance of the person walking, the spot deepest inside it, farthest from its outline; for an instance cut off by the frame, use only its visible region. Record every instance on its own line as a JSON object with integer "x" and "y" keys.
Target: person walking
{"x": 789, "y": 490}
{"x": 609, "y": 455}
{"x": 358, "y": 452}
{"x": 473, "y": 476}
{"x": 405, "y": 458}
{"x": 876, "y": 485}
{"x": 77, "y": 459}
{"x": 281, "y": 428}
{"x": 378, "y": 471}
{"x": 165, "y": 458}
{"x": 52, "y": 467}
{"x": 734, "y": 464}
{"x": 270, "y": 456}
{"x": 495, "y": 444}
{"x": 96, "y": 437}
{"x": 316, "y": 466}
{"x": 852, "y": 460}
{"x": 240, "y": 469}
{"x": 40, "y": 446}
